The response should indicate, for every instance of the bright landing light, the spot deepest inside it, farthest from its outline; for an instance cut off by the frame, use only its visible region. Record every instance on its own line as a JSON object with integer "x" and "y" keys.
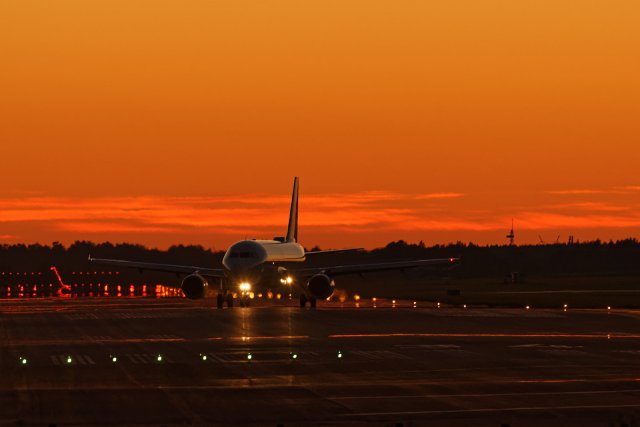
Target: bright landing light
{"x": 245, "y": 287}
{"x": 287, "y": 280}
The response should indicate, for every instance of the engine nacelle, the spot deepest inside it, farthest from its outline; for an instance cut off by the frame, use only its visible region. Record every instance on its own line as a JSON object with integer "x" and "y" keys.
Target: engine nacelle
{"x": 194, "y": 286}
{"x": 321, "y": 286}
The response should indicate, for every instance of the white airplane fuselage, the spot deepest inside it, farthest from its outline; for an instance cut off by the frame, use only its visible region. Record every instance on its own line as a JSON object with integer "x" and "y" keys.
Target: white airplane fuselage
{"x": 244, "y": 259}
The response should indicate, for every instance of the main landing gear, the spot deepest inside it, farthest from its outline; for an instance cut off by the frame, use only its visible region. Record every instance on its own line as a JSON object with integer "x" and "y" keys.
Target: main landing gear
{"x": 304, "y": 299}
{"x": 230, "y": 300}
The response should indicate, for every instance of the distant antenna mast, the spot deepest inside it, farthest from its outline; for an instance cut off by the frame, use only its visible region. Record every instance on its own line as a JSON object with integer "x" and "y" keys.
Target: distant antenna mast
{"x": 511, "y": 236}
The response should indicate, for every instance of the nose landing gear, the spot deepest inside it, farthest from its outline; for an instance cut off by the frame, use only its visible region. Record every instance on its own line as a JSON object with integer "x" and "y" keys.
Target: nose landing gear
{"x": 304, "y": 299}
{"x": 228, "y": 297}
{"x": 221, "y": 298}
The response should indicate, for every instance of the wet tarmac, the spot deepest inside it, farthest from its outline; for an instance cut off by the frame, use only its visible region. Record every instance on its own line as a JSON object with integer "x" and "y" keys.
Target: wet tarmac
{"x": 166, "y": 362}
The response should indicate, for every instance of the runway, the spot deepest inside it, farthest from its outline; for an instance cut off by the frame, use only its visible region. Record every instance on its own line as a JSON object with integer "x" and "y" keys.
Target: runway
{"x": 139, "y": 361}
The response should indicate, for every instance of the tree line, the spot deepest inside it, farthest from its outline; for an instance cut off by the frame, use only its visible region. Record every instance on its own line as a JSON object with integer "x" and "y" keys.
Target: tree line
{"x": 586, "y": 258}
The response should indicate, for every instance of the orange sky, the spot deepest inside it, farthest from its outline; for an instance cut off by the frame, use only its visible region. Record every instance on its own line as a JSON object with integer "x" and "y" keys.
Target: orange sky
{"x": 192, "y": 114}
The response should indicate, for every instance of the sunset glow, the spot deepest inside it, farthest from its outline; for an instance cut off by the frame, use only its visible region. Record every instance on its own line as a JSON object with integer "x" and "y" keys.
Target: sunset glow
{"x": 165, "y": 122}
{"x": 330, "y": 220}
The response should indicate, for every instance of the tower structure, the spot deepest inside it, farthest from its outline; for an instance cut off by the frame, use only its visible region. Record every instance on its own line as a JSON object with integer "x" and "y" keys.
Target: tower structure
{"x": 511, "y": 236}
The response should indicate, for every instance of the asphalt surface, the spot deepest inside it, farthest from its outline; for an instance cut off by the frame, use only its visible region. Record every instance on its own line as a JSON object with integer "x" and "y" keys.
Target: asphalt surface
{"x": 180, "y": 362}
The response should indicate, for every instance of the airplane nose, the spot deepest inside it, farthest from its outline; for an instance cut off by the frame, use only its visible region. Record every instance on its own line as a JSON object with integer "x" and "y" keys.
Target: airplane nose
{"x": 244, "y": 256}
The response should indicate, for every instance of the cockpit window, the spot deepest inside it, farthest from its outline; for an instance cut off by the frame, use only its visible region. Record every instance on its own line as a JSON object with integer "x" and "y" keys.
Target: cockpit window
{"x": 240, "y": 254}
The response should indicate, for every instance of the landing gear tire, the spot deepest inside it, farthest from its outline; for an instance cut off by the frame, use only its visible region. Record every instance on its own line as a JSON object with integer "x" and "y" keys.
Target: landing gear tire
{"x": 303, "y": 300}
{"x": 230, "y": 300}
{"x": 244, "y": 302}
{"x": 220, "y": 300}
{"x": 312, "y": 302}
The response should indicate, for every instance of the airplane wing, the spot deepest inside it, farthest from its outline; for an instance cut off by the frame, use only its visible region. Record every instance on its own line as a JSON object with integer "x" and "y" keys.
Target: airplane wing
{"x": 167, "y": 268}
{"x": 333, "y": 251}
{"x": 341, "y": 270}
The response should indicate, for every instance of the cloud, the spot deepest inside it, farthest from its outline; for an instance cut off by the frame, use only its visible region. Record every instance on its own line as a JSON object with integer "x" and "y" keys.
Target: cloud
{"x": 591, "y": 206}
{"x": 545, "y": 220}
{"x": 327, "y": 217}
{"x": 439, "y": 196}
{"x": 577, "y": 192}
{"x": 108, "y": 227}
{"x": 581, "y": 192}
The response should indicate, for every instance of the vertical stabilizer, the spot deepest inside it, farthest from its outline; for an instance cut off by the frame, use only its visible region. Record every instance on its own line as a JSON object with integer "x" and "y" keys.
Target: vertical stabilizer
{"x": 292, "y": 231}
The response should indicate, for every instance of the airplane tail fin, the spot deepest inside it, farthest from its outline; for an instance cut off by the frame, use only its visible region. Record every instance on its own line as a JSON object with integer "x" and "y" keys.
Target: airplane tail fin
{"x": 292, "y": 231}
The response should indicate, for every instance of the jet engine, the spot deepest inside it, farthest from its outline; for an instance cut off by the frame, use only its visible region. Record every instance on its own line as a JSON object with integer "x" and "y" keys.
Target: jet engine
{"x": 194, "y": 286}
{"x": 321, "y": 286}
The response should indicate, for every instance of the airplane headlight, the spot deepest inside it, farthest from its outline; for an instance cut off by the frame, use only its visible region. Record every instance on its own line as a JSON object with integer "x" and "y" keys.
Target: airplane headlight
{"x": 245, "y": 287}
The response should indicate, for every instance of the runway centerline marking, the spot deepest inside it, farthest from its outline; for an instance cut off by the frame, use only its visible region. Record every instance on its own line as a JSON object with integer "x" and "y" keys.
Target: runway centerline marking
{"x": 277, "y": 337}
{"x": 432, "y": 396}
{"x": 480, "y": 410}
{"x": 485, "y": 335}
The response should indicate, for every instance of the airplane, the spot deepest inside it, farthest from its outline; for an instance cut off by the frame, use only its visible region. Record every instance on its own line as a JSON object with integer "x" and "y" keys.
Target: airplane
{"x": 249, "y": 265}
